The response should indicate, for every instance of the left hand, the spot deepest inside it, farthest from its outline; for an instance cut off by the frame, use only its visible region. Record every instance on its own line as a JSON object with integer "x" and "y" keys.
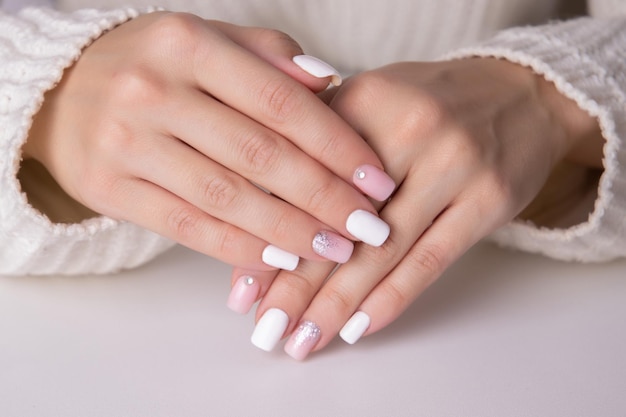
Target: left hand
{"x": 471, "y": 142}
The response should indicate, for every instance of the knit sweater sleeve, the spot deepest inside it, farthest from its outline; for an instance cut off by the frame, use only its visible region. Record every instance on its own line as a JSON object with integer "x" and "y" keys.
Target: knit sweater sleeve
{"x": 36, "y": 46}
{"x": 586, "y": 60}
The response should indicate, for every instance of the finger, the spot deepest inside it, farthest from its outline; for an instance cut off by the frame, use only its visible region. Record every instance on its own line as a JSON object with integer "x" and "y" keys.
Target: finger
{"x": 156, "y": 209}
{"x": 453, "y": 233}
{"x": 265, "y": 158}
{"x": 410, "y": 213}
{"x": 247, "y": 287}
{"x": 282, "y": 51}
{"x": 328, "y": 95}
{"x": 289, "y": 295}
{"x": 226, "y": 196}
{"x": 272, "y": 98}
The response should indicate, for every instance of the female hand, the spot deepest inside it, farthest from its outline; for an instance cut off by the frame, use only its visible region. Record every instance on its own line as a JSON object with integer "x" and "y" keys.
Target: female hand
{"x": 471, "y": 143}
{"x": 171, "y": 122}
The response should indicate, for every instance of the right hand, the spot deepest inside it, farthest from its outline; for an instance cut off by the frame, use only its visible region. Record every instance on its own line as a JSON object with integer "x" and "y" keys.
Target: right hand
{"x": 170, "y": 121}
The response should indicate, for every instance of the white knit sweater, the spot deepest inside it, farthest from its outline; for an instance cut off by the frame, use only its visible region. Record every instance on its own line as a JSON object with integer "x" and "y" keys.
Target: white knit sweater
{"x": 585, "y": 58}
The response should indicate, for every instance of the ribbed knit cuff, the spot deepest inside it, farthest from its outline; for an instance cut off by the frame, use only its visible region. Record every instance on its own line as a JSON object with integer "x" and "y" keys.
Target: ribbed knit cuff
{"x": 36, "y": 46}
{"x": 585, "y": 59}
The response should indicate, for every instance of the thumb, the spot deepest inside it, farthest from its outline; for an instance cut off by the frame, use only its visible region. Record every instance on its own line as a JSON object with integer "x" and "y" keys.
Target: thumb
{"x": 284, "y": 53}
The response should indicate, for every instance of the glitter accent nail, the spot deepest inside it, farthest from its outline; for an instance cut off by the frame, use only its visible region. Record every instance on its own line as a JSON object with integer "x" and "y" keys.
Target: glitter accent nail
{"x": 307, "y": 331}
{"x": 303, "y": 340}
{"x": 332, "y": 246}
{"x": 321, "y": 243}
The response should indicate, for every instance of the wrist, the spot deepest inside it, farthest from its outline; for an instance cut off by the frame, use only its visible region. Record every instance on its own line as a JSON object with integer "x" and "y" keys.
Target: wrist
{"x": 581, "y": 140}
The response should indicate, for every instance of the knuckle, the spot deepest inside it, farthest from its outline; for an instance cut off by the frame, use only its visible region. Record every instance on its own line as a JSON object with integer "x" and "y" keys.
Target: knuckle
{"x": 227, "y": 243}
{"x": 459, "y": 151}
{"x": 318, "y": 200}
{"x": 428, "y": 259}
{"x": 184, "y": 223}
{"x": 279, "y": 100}
{"x": 260, "y": 152}
{"x": 389, "y": 252}
{"x": 282, "y": 225}
{"x": 272, "y": 38}
{"x": 340, "y": 299}
{"x": 219, "y": 192}
{"x": 433, "y": 111}
{"x": 397, "y": 293}
{"x": 425, "y": 118}
{"x": 135, "y": 87}
{"x": 354, "y": 99}
{"x": 330, "y": 147}
{"x": 176, "y": 30}
{"x": 114, "y": 138}
{"x": 300, "y": 285}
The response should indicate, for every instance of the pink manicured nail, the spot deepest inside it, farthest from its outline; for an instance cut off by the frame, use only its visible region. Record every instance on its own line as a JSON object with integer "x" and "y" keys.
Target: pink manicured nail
{"x": 303, "y": 340}
{"x": 243, "y": 294}
{"x": 374, "y": 182}
{"x": 332, "y": 246}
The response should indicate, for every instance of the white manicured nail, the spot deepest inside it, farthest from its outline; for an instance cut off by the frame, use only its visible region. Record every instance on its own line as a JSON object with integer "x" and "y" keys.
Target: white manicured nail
{"x": 318, "y": 68}
{"x": 367, "y": 227}
{"x": 276, "y": 257}
{"x": 355, "y": 327}
{"x": 270, "y": 329}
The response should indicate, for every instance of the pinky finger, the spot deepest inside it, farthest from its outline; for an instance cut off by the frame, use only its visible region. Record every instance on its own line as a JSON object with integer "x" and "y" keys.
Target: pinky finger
{"x": 441, "y": 245}
{"x": 247, "y": 287}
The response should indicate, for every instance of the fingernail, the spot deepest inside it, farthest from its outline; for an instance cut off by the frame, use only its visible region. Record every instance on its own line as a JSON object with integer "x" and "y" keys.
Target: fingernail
{"x": 270, "y": 329}
{"x": 374, "y": 182}
{"x": 243, "y": 294}
{"x": 367, "y": 227}
{"x": 318, "y": 68}
{"x": 278, "y": 258}
{"x": 355, "y": 327}
{"x": 303, "y": 340}
{"x": 332, "y": 246}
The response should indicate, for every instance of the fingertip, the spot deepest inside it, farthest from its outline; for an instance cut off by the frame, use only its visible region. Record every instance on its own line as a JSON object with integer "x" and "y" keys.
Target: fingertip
{"x": 355, "y": 328}
{"x": 244, "y": 294}
{"x": 318, "y": 69}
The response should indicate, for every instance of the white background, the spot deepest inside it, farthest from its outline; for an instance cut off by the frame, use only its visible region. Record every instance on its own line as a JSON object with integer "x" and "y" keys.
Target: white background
{"x": 502, "y": 334}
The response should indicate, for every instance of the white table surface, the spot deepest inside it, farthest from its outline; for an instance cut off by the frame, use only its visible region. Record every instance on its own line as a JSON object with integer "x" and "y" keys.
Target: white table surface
{"x": 502, "y": 334}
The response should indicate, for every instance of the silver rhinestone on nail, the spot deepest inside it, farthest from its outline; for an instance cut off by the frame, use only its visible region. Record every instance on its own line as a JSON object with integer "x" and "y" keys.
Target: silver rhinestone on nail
{"x": 249, "y": 281}
{"x": 307, "y": 331}
{"x": 360, "y": 174}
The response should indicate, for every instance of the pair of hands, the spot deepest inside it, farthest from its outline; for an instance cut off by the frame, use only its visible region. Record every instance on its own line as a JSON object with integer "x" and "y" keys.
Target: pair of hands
{"x": 471, "y": 143}
{"x": 183, "y": 118}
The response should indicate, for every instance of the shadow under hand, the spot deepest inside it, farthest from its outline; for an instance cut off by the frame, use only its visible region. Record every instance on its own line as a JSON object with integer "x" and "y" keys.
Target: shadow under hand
{"x": 491, "y": 283}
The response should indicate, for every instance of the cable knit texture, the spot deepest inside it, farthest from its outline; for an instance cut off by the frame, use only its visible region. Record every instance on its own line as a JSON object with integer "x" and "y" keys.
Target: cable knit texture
{"x": 583, "y": 57}
{"x": 35, "y": 48}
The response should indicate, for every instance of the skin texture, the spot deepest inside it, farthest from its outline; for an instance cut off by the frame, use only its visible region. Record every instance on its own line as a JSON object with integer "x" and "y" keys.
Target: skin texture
{"x": 471, "y": 143}
{"x": 181, "y": 117}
